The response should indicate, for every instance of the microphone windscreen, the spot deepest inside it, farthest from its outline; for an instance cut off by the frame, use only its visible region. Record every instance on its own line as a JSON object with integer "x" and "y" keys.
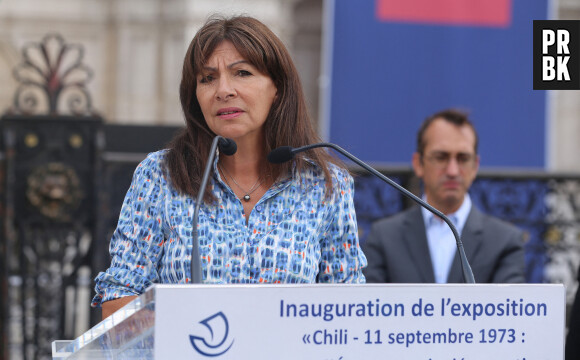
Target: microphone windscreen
{"x": 281, "y": 155}
{"x": 227, "y": 146}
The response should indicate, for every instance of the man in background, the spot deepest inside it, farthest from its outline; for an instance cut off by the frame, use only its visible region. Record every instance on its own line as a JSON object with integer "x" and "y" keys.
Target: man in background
{"x": 416, "y": 246}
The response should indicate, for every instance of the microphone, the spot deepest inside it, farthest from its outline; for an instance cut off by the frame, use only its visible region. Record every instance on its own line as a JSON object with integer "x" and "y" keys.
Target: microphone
{"x": 227, "y": 147}
{"x": 286, "y": 153}
{"x": 282, "y": 154}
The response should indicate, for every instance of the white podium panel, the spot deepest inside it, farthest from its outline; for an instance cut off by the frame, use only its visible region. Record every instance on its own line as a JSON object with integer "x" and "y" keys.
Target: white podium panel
{"x": 324, "y": 322}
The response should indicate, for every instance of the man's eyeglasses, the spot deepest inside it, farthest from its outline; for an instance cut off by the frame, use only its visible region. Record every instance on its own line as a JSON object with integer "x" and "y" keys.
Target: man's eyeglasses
{"x": 441, "y": 159}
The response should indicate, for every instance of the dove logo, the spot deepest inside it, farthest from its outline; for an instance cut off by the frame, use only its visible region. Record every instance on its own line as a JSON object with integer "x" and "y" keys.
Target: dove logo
{"x": 215, "y": 345}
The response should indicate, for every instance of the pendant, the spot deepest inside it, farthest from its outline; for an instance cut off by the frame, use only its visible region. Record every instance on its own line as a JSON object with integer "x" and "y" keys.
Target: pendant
{"x": 246, "y": 197}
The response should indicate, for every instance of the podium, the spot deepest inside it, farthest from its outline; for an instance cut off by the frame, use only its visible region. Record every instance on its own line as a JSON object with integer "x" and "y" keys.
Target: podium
{"x": 324, "y": 322}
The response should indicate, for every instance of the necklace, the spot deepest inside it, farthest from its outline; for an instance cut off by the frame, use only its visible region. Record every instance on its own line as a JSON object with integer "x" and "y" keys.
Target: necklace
{"x": 248, "y": 192}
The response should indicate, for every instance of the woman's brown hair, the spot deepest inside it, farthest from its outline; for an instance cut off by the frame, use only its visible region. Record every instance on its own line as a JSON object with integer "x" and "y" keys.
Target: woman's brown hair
{"x": 288, "y": 122}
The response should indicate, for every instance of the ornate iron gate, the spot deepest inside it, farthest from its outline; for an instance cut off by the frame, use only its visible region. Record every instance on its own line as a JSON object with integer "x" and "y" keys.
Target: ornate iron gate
{"x": 52, "y": 175}
{"x": 63, "y": 176}
{"x": 51, "y": 201}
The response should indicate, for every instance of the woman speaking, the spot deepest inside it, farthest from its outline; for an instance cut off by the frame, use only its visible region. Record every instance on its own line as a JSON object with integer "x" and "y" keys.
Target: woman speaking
{"x": 259, "y": 222}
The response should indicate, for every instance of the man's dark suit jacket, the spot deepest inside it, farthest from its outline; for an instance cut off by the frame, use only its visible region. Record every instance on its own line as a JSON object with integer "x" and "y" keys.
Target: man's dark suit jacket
{"x": 397, "y": 250}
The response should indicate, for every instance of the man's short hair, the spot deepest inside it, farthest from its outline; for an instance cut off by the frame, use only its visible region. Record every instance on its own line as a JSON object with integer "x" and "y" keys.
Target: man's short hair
{"x": 454, "y": 116}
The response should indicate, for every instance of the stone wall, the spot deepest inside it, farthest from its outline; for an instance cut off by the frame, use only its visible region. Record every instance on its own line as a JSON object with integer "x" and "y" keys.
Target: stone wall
{"x": 134, "y": 47}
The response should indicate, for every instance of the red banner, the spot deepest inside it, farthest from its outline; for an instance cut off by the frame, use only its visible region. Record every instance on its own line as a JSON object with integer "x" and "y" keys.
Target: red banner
{"x": 492, "y": 13}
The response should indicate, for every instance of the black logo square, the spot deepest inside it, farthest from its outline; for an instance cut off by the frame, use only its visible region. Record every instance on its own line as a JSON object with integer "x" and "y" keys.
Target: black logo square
{"x": 556, "y": 54}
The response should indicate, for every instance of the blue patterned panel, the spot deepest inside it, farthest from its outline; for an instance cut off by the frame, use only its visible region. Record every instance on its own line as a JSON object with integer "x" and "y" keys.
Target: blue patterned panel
{"x": 536, "y": 252}
{"x": 520, "y": 202}
{"x": 515, "y": 201}
{"x": 562, "y": 237}
{"x": 374, "y": 199}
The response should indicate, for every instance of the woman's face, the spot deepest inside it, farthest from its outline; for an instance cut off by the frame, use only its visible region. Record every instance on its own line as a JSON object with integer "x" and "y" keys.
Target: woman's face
{"x": 234, "y": 96}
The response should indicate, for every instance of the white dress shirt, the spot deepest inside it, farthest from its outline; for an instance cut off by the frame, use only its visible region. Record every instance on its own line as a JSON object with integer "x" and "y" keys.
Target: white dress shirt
{"x": 442, "y": 244}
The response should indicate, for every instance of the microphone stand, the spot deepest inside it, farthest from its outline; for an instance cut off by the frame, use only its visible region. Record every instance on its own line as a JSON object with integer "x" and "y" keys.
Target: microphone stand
{"x": 196, "y": 269}
{"x": 465, "y": 267}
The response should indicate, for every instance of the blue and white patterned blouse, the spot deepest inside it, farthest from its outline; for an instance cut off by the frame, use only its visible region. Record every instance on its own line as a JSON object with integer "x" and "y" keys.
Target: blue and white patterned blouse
{"x": 293, "y": 235}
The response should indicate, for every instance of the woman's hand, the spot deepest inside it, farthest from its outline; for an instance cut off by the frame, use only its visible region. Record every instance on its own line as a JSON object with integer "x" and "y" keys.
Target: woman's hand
{"x": 109, "y": 307}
